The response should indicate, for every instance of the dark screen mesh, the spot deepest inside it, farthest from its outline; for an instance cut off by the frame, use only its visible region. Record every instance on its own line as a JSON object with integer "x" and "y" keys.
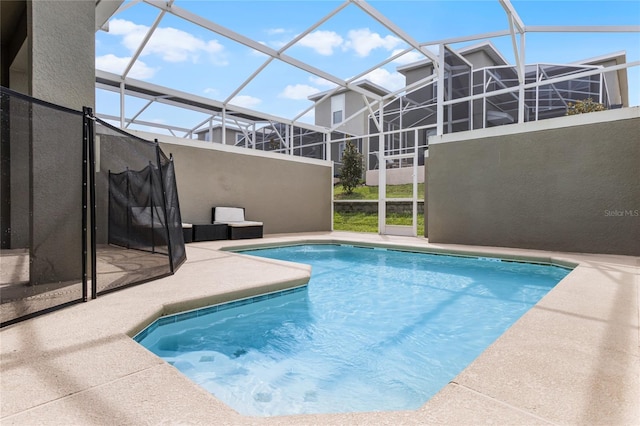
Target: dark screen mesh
{"x": 174, "y": 219}
{"x": 138, "y": 224}
{"x": 41, "y": 253}
{"x": 45, "y": 185}
{"x": 136, "y": 217}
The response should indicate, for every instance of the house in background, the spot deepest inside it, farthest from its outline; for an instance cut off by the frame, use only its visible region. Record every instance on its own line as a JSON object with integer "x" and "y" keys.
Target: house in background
{"x": 333, "y": 112}
{"x": 269, "y": 136}
{"x": 479, "y": 69}
{"x": 214, "y": 134}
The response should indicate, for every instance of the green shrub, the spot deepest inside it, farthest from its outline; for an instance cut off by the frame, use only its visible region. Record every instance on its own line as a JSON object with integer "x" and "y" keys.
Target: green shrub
{"x": 584, "y": 106}
{"x": 351, "y": 173}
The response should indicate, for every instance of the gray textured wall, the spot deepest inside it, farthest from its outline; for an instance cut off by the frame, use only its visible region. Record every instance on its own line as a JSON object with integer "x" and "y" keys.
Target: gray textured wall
{"x": 288, "y": 196}
{"x": 61, "y": 38}
{"x": 573, "y": 188}
{"x": 62, "y": 52}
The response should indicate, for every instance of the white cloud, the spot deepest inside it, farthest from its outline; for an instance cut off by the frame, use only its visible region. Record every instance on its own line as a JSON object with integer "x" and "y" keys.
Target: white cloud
{"x": 274, "y": 31}
{"x": 319, "y": 81}
{"x": 363, "y": 41}
{"x": 211, "y": 91}
{"x": 117, "y": 65}
{"x": 389, "y": 80}
{"x": 171, "y": 44}
{"x": 246, "y": 101}
{"x": 323, "y": 42}
{"x": 298, "y": 91}
{"x": 407, "y": 58}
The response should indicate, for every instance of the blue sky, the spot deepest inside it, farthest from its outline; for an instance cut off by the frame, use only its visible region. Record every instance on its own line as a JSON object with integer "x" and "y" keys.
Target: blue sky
{"x": 189, "y": 58}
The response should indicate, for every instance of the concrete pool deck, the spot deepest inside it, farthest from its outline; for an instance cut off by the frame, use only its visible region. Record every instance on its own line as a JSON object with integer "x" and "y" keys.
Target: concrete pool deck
{"x": 574, "y": 358}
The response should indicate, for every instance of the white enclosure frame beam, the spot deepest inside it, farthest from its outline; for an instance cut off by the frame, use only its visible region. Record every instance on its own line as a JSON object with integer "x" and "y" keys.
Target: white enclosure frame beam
{"x": 440, "y": 94}
{"x": 518, "y": 54}
{"x": 116, "y": 80}
{"x": 383, "y": 20}
{"x": 509, "y": 9}
{"x": 137, "y": 114}
{"x": 462, "y": 39}
{"x": 144, "y": 42}
{"x": 285, "y": 47}
{"x": 144, "y": 123}
{"x": 239, "y": 38}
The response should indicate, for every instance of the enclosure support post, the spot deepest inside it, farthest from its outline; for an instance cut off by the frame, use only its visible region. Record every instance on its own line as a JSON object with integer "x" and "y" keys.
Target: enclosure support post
{"x": 89, "y": 149}
{"x": 164, "y": 207}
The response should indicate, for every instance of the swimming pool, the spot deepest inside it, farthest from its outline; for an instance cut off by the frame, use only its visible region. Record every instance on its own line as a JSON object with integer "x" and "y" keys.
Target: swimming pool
{"x": 374, "y": 330}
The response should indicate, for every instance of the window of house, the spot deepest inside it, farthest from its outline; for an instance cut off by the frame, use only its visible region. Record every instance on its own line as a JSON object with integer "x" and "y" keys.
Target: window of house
{"x": 337, "y": 109}
{"x": 341, "y": 147}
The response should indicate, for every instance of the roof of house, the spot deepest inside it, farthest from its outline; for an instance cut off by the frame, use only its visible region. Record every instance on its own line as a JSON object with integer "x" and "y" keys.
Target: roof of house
{"x": 485, "y": 46}
{"x": 365, "y": 84}
{"x": 488, "y": 48}
{"x": 619, "y": 58}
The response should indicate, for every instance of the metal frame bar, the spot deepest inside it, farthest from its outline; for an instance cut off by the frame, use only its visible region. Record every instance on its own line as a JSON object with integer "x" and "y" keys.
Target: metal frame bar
{"x": 371, "y": 100}
{"x": 284, "y": 48}
{"x": 383, "y": 20}
{"x": 145, "y": 40}
{"x": 239, "y": 38}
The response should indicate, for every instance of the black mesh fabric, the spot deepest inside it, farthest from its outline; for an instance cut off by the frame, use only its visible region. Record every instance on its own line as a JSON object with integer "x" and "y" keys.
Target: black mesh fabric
{"x": 139, "y": 228}
{"x": 42, "y": 183}
{"x": 136, "y": 215}
{"x": 46, "y": 184}
{"x": 174, "y": 219}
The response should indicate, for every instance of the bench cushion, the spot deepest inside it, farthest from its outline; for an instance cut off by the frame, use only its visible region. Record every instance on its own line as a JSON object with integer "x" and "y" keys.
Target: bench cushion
{"x": 241, "y": 224}
{"x": 228, "y": 214}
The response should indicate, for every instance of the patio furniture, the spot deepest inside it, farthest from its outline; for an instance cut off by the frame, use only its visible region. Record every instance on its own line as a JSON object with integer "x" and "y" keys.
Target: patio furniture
{"x": 187, "y": 232}
{"x": 210, "y": 232}
{"x": 234, "y": 218}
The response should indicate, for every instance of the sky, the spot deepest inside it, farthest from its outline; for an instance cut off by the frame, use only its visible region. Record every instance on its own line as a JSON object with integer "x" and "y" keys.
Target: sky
{"x": 189, "y": 58}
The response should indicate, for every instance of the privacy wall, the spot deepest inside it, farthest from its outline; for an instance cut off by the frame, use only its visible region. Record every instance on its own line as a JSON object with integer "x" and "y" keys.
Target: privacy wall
{"x": 567, "y": 184}
{"x": 287, "y": 194}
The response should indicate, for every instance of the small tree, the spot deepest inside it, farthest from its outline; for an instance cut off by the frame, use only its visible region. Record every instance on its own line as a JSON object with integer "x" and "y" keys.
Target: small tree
{"x": 583, "y": 106}
{"x": 351, "y": 173}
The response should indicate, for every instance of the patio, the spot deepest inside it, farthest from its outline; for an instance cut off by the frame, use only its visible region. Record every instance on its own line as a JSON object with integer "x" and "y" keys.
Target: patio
{"x": 572, "y": 359}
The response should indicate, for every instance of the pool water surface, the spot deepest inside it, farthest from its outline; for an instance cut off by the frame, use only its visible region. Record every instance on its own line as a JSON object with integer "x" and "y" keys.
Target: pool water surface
{"x": 374, "y": 330}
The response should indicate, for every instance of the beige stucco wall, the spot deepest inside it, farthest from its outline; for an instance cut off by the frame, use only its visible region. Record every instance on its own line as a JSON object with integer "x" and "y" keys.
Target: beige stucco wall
{"x": 569, "y": 184}
{"x": 288, "y": 194}
{"x": 395, "y": 176}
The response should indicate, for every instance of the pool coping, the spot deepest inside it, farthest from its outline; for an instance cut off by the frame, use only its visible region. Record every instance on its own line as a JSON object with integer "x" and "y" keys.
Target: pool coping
{"x": 572, "y": 359}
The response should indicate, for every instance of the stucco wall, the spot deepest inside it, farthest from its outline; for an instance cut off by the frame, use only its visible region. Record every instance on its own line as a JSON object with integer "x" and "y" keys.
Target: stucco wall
{"x": 61, "y": 53}
{"x": 287, "y": 195}
{"x": 395, "y": 176}
{"x": 62, "y": 38}
{"x": 569, "y": 184}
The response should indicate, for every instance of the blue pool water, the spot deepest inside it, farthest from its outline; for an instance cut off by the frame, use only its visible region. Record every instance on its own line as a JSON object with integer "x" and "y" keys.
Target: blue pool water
{"x": 374, "y": 330}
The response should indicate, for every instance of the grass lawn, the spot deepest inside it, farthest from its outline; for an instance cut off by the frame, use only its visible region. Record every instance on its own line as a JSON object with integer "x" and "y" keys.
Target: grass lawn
{"x": 362, "y": 222}
{"x": 364, "y": 192}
